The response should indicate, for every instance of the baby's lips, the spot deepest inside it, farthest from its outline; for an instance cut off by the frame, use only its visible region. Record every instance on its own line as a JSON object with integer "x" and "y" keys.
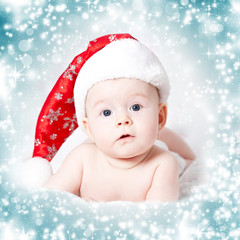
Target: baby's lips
{"x": 125, "y": 136}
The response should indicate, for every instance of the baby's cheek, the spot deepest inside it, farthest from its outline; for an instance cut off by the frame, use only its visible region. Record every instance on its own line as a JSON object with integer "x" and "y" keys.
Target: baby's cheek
{"x": 104, "y": 143}
{"x": 150, "y": 128}
{"x": 102, "y": 134}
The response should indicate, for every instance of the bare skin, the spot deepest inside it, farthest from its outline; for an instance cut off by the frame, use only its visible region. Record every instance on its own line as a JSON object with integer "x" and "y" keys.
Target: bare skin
{"x": 121, "y": 162}
{"x": 176, "y": 144}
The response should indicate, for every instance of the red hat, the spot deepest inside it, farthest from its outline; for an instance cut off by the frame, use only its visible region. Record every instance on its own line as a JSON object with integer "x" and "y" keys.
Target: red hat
{"x": 107, "y": 57}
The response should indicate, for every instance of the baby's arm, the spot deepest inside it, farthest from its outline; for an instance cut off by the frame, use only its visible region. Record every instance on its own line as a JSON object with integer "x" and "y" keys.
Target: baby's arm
{"x": 165, "y": 183}
{"x": 68, "y": 177}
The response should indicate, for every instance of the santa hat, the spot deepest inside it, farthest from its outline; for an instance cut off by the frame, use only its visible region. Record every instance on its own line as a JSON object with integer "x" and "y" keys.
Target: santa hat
{"x": 108, "y": 57}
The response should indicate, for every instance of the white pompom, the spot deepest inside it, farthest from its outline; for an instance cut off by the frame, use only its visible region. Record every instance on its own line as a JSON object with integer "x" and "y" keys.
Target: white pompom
{"x": 33, "y": 173}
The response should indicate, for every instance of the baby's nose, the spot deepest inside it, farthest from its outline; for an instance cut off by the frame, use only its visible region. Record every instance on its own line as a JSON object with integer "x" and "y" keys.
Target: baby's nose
{"x": 124, "y": 121}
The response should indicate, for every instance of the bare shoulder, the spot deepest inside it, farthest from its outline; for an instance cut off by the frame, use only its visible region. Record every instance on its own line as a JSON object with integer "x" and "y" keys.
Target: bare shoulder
{"x": 84, "y": 148}
{"x": 80, "y": 153}
{"x": 164, "y": 157}
{"x": 165, "y": 182}
{"x": 69, "y": 175}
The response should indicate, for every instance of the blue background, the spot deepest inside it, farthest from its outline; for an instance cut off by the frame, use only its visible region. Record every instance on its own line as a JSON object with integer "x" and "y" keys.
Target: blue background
{"x": 38, "y": 39}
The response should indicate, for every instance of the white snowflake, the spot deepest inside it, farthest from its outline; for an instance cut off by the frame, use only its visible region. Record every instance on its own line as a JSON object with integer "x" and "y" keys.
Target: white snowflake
{"x": 72, "y": 69}
{"x": 70, "y": 72}
{"x": 68, "y": 75}
{"x": 53, "y": 115}
{"x": 71, "y": 122}
{"x": 70, "y": 100}
{"x": 79, "y": 60}
{"x": 53, "y": 136}
{"x": 58, "y": 96}
{"x": 112, "y": 38}
{"x": 51, "y": 151}
{"x": 37, "y": 142}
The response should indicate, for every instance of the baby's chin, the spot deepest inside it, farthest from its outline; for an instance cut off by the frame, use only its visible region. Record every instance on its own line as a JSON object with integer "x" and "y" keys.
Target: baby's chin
{"x": 126, "y": 155}
{"x": 126, "y": 151}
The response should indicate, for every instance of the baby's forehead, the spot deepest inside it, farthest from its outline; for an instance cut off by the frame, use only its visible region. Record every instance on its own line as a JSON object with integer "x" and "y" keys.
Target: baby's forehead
{"x": 122, "y": 87}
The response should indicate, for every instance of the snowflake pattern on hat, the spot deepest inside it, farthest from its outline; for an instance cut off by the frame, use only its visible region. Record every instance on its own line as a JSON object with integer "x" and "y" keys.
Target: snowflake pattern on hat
{"x": 58, "y": 96}
{"x": 37, "y": 142}
{"x": 53, "y": 115}
{"x": 51, "y": 151}
{"x": 71, "y": 122}
{"x": 70, "y": 100}
{"x": 53, "y": 136}
{"x": 112, "y": 38}
{"x": 69, "y": 73}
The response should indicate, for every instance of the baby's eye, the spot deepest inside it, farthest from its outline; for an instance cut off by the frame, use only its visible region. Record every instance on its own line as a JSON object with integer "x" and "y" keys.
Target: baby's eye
{"x": 135, "y": 107}
{"x": 106, "y": 113}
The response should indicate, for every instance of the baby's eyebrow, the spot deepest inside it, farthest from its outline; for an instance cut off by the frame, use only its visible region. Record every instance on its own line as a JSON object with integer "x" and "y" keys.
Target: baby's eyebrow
{"x": 98, "y": 103}
{"x": 139, "y": 95}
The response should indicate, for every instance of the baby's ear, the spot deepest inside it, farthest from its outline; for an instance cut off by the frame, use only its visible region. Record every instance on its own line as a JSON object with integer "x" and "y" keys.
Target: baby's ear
{"x": 87, "y": 127}
{"x": 162, "y": 115}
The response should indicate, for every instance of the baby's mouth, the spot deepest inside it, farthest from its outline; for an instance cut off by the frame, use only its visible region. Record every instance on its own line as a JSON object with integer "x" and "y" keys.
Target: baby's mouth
{"x": 125, "y": 136}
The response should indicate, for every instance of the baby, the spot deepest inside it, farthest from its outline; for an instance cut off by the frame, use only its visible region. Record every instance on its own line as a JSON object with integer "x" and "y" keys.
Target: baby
{"x": 120, "y": 100}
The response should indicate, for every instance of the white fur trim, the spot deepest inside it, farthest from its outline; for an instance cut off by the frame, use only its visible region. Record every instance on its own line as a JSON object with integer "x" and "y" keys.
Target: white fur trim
{"x": 33, "y": 173}
{"x": 126, "y": 58}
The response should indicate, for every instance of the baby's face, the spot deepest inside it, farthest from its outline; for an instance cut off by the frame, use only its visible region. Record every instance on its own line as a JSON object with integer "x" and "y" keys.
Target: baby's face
{"x": 123, "y": 117}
